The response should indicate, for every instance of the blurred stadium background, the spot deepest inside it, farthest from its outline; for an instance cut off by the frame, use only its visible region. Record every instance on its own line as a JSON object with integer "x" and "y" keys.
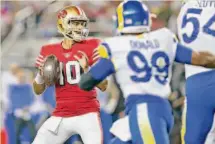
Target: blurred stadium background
{"x": 25, "y": 27}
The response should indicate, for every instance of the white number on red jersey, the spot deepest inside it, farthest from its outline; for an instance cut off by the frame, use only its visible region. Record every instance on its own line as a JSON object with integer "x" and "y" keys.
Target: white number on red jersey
{"x": 72, "y": 72}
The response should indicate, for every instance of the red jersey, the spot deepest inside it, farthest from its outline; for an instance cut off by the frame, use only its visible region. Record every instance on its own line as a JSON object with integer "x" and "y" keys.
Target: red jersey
{"x": 70, "y": 99}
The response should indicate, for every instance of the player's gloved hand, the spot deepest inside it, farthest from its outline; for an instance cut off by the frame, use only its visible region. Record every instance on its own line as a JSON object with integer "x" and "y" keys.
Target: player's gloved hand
{"x": 40, "y": 63}
{"x": 83, "y": 60}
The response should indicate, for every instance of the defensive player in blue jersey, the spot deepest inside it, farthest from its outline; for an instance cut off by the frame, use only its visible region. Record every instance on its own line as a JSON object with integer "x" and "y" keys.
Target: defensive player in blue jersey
{"x": 142, "y": 61}
{"x": 196, "y": 29}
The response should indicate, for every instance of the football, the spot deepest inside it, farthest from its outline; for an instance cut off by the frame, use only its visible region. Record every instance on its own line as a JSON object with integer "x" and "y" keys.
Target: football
{"x": 51, "y": 70}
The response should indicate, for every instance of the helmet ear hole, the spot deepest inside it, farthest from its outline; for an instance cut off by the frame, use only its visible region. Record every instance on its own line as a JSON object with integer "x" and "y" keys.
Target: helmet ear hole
{"x": 69, "y": 22}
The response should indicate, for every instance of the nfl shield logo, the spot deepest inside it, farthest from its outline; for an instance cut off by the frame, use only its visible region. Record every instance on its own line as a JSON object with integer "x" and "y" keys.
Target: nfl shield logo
{"x": 66, "y": 55}
{"x": 128, "y": 21}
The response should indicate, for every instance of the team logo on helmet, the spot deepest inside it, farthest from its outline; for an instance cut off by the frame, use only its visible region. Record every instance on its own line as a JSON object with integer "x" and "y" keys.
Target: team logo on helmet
{"x": 62, "y": 14}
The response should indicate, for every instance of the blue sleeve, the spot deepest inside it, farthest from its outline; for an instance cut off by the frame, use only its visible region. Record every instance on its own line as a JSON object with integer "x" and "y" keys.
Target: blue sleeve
{"x": 103, "y": 68}
{"x": 183, "y": 54}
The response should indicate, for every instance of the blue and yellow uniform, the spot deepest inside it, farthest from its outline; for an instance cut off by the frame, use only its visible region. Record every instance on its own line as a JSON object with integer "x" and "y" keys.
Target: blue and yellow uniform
{"x": 142, "y": 65}
{"x": 196, "y": 29}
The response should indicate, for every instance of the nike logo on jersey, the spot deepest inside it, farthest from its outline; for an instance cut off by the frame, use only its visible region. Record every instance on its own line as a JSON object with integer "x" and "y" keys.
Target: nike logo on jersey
{"x": 67, "y": 55}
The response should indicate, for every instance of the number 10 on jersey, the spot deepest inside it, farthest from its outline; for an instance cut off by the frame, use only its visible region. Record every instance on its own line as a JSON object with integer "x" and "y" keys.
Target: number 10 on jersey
{"x": 72, "y": 73}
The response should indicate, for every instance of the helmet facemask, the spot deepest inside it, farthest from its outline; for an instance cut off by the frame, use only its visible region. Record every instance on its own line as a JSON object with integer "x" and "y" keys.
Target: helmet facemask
{"x": 76, "y": 29}
{"x": 72, "y": 23}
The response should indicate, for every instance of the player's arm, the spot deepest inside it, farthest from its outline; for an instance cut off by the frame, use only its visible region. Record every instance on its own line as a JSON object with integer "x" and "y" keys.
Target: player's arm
{"x": 114, "y": 95}
{"x": 38, "y": 83}
{"x": 188, "y": 56}
{"x": 98, "y": 72}
{"x": 84, "y": 63}
{"x": 102, "y": 85}
{"x": 101, "y": 52}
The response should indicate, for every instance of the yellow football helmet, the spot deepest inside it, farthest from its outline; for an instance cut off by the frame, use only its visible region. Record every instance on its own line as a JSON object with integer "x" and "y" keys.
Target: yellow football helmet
{"x": 72, "y": 23}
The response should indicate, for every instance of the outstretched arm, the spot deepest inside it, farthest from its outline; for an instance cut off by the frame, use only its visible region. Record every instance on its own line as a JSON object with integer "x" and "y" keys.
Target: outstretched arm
{"x": 204, "y": 59}
{"x": 187, "y": 56}
{"x": 103, "y": 68}
{"x": 83, "y": 61}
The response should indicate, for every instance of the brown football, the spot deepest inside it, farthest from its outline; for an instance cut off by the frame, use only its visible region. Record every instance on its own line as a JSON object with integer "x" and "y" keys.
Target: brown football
{"x": 51, "y": 70}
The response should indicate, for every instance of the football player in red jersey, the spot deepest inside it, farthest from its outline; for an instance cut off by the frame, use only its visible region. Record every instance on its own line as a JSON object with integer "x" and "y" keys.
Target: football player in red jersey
{"x": 77, "y": 111}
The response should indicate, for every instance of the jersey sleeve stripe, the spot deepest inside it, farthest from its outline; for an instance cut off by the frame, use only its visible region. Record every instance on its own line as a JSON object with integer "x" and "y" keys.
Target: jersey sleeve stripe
{"x": 96, "y": 57}
{"x": 38, "y": 63}
{"x": 95, "y": 53}
{"x": 39, "y": 59}
{"x": 41, "y": 56}
{"x": 96, "y": 49}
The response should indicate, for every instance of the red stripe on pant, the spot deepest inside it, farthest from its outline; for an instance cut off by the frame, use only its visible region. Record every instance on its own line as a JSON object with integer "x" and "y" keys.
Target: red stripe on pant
{"x": 4, "y": 136}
